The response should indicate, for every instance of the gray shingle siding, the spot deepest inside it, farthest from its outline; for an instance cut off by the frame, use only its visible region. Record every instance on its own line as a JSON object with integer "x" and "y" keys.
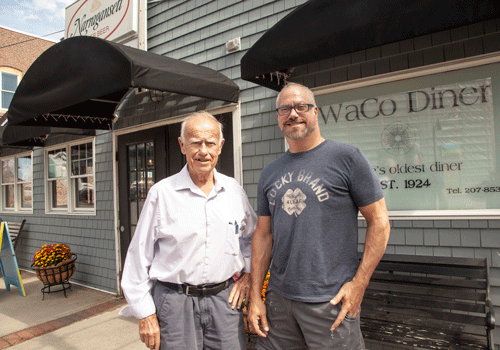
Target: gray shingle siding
{"x": 91, "y": 237}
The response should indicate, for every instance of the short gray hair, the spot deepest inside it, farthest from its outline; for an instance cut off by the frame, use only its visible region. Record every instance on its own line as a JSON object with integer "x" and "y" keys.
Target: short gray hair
{"x": 203, "y": 113}
{"x": 309, "y": 93}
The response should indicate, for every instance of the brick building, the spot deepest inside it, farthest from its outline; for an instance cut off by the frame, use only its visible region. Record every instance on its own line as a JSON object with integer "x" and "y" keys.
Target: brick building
{"x": 17, "y": 52}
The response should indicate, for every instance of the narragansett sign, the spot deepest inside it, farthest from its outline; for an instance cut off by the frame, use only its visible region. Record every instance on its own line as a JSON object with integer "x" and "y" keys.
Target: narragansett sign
{"x": 113, "y": 20}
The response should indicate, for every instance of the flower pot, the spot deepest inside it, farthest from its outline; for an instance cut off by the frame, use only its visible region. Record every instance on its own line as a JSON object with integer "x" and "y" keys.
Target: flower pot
{"x": 56, "y": 274}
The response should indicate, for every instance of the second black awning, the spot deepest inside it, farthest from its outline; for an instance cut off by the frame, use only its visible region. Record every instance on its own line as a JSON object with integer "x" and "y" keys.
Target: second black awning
{"x": 321, "y": 29}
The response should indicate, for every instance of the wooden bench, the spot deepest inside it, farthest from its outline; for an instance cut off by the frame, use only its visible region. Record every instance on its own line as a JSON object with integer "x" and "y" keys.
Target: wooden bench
{"x": 15, "y": 230}
{"x": 427, "y": 302}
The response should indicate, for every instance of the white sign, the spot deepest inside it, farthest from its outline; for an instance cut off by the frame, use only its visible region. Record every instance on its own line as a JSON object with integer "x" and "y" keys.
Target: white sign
{"x": 114, "y": 20}
{"x": 433, "y": 148}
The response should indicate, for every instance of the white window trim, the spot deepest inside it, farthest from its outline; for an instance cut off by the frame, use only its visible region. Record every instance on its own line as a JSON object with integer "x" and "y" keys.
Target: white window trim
{"x": 17, "y": 203}
{"x": 71, "y": 209}
{"x": 1, "y": 87}
{"x": 459, "y": 64}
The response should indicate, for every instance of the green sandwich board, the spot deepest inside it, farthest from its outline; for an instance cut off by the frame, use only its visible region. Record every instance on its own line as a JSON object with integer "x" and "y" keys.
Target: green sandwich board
{"x": 8, "y": 261}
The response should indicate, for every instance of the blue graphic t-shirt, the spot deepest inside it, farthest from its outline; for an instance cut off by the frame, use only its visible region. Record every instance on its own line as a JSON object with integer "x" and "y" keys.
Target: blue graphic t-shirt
{"x": 313, "y": 198}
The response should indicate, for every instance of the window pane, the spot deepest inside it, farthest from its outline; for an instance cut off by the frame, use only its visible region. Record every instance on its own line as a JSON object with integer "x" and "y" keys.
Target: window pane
{"x": 24, "y": 169}
{"x": 140, "y": 156}
{"x": 59, "y": 192}
{"x": 6, "y": 99}
{"x": 75, "y": 169}
{"x": 83, "y": 152}
{"x": 26, "y": 196}
{"x": 90, "y": 167}
{"x": 8, "y": 196}
{"x": 83, "y": 167}
{"x": 142, "y": 185}
{"x": 133, "y": 185}
{"x": 132, "y": 163}
{"x": 57, "y": 164}
{"x": 9, "y": 82}
{"x": 84, "y": 192}
{"x": 150, "y": 155}
{"x": 8, "y": 171}
{"x": 74, "y": 152}
{"x": 89, "y": 150}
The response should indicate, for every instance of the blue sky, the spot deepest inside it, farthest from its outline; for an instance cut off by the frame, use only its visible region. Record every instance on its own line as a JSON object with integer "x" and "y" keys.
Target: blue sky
{"x": 38, "y": 17}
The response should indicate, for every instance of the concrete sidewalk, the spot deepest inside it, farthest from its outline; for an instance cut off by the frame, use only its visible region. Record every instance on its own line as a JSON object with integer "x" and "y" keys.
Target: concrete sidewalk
{"x": 86, "y": 319}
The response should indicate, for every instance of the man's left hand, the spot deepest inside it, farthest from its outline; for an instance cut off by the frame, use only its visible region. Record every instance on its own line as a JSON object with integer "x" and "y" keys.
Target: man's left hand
{"x": 351, "y": 295}
{"x": 240, "y": 291}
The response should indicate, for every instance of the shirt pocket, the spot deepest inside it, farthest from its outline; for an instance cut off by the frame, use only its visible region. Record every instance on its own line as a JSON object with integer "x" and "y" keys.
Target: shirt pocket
{"x": 232, "y": 244}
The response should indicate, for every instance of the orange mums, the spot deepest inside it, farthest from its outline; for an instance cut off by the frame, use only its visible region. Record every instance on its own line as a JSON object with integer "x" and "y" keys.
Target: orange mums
{"x": 264, "y": 287}
{"x": 51, "y": 254}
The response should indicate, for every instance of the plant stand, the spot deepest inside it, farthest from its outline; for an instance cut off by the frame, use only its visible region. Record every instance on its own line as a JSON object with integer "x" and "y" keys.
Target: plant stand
{"x": 57, "y": 275}
{"x": 47, "y": 288}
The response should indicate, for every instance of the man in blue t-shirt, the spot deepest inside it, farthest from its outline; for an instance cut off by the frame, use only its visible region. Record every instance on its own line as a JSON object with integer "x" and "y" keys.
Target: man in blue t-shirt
{"x": 307, "y": 232}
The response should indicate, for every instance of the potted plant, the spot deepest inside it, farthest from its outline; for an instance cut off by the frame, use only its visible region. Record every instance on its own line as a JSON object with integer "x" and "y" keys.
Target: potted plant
{"x": 54, "y": 263}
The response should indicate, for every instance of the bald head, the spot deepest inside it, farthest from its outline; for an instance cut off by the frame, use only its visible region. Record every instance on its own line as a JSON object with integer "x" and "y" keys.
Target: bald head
{"x": 200, "y": 117}
{"x": 308, "y": 93}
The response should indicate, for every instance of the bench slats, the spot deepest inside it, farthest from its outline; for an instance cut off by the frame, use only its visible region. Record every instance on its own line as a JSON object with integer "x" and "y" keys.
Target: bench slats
{"x": 424, "y": 302}
{"x": 462, "y": 271}
{"x": 420, "y": 338}
{"x": 382, "y": 299}
{"x": 15, "y": 230}
{"x": 409, "y": 321}
{"x": 429, "y": 290}
{"x": 428, "y": 314}
{"x": 429, "y": 280}
{"x": 433, "y": 260}
{"x": 402, "y": 322}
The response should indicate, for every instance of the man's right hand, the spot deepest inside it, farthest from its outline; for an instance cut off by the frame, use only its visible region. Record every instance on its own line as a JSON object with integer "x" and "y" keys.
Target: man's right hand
{"x": 257, "y": 317}
{"x": 149, "y": 331}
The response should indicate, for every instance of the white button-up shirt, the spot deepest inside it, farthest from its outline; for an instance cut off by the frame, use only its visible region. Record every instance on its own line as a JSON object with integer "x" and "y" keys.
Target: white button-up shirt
{"x": 185, "y": 236}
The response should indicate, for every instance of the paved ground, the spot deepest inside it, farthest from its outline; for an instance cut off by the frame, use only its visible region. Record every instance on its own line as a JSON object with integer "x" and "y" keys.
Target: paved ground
{"x": 87, "y": 319}
{"x": 84, "y": 318}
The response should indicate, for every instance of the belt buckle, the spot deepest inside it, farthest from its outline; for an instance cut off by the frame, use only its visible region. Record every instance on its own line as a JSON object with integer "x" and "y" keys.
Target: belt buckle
{"x": 188, "y": 287}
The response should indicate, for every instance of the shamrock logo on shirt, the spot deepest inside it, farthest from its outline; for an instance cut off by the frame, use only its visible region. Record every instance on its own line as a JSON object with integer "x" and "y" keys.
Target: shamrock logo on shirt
{"x": 294, "y": 201}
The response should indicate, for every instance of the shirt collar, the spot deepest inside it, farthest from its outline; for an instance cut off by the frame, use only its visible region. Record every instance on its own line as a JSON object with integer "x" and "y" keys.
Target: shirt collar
{"x": 184, "y": 181}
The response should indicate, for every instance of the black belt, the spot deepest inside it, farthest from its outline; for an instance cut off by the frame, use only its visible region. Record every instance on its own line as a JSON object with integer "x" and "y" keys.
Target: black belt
{"x": 198, "y": 291}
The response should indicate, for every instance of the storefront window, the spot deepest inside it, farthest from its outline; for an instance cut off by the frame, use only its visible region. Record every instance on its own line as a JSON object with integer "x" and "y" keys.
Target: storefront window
{"x": 82, "y": 178}
{"x": 433, "y": 140}
{"x": 16, "y": 182}
{"x": 71, "y": 191}
{"x": 24, "y": 181}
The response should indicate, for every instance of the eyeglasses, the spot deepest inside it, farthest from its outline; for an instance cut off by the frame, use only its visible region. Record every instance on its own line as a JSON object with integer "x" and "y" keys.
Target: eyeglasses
{"x": 300, "y": 108}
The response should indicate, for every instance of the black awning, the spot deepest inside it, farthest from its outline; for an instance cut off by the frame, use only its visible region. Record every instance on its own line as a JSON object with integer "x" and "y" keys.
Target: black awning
{"x": 18, "y": 136}
{"x": 23, "y": 136}
{"x": 321, "y": 29}
{"x": 79, "y": 82}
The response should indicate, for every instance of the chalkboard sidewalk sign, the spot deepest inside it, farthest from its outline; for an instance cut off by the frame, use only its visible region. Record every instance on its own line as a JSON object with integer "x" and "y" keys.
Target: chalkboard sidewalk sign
{"x": 8, "y": 261}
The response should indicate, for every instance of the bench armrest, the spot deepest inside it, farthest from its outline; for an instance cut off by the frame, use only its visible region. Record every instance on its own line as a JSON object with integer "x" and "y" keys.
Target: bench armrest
{"x": 490, "y": 315}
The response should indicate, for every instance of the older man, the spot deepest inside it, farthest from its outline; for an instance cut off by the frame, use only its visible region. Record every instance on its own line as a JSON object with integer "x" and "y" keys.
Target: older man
{"x": 194, "y": 234}
{"x": 311, "y": 197}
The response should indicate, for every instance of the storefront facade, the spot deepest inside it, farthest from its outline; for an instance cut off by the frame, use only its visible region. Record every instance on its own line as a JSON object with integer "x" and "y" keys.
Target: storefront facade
{"x": 424, "y": 109}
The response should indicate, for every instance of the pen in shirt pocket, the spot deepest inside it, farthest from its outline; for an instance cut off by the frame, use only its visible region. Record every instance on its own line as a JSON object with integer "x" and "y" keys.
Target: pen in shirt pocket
{"x": 236, "y": 226}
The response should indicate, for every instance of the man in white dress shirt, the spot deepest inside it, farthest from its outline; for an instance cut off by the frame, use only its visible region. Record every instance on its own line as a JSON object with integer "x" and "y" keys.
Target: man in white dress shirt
{"x": 194, "y": 234}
